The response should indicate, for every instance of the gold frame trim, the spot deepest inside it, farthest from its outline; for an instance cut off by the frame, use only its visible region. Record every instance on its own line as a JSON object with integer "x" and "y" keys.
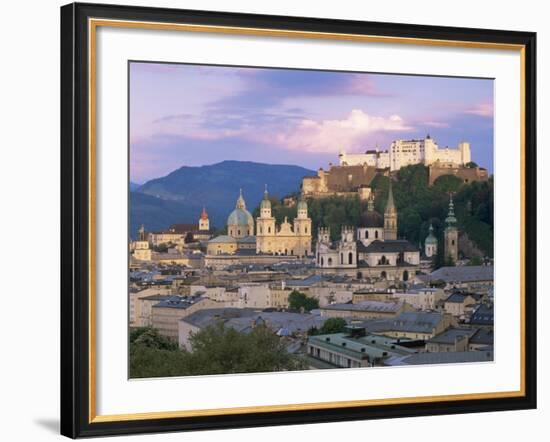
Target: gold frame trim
{"x": 93, "y": 24}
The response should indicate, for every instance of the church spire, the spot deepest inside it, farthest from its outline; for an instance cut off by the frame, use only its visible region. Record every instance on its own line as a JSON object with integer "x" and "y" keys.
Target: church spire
{"x": 390, "y": 217}
{"x": 451, "y": 218}
{"x": 240, "y": 201}
{"x": 390, "y": 205}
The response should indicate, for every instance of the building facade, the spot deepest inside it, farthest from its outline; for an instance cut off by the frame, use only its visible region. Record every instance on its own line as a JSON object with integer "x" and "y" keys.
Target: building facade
{"x": 287, "y": 239}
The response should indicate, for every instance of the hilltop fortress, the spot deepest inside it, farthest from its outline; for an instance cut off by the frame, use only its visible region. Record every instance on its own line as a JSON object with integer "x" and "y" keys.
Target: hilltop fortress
{"x": 355, "y": 171}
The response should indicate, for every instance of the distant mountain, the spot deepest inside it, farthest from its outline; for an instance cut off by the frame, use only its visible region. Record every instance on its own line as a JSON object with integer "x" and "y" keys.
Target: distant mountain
{"x": 134, "y": 186}
{"x": 179, "y": 196}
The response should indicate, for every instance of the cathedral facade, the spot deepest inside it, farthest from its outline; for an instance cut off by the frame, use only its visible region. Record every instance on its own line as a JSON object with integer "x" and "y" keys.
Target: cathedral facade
{"x": 287, "y": 239}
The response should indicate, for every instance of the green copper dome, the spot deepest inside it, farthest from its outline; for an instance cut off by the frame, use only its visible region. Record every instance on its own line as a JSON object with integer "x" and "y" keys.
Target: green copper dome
{"x": 431, "y": 239}
{"x": 239, "y": 217}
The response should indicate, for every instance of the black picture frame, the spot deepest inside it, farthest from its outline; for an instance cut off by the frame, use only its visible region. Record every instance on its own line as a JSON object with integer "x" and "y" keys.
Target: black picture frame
{"x": 75, "y": 220}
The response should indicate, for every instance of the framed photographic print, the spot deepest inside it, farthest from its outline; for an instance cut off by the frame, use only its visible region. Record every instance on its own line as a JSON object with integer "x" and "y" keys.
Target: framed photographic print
{"x": 274, "y": 220}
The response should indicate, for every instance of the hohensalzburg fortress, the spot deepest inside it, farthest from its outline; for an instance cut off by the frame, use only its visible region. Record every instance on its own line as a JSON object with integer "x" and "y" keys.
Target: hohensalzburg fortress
{"x": 407, "y": 152}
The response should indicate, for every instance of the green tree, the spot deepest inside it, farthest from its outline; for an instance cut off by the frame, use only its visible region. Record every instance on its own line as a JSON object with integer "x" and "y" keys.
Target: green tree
{"x": 298, "y": 300}
{"x": 216, "y": 350}
{"x": 333, "y": 325}
{"x": 475, "y": 261}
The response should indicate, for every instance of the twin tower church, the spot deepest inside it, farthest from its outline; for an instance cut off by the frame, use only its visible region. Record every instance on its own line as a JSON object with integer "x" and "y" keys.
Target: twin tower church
{"x": 373, "y": 246}
{"x": 292, "y": 239}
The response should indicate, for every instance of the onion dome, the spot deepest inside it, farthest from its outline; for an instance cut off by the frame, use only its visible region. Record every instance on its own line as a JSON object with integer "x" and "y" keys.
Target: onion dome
{"x": 265, "y": 204}
{"x": 302, "y": 204}
{"x": 431, "y": 239}
{"x": 371, "y": 218}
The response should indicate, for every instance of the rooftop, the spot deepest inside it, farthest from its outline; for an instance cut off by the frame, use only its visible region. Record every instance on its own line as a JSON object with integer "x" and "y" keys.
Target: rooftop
{"x": 390, "y": 246}
{"x": 367, "y": 306}
{"x": 463, "y": 274}
{"x": 442, "y": 358}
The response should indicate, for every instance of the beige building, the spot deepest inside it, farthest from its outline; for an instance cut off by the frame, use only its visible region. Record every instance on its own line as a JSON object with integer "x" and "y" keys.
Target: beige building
{"x": 165, "y": 314}
{"x": 140, "y": 304}
{"x": 141, "y": 250}
{"x": 459, "y": 304}
{"x": 419, "y": 325}
{"x": 287, "y": 239}
{"x": 422, "y": 299}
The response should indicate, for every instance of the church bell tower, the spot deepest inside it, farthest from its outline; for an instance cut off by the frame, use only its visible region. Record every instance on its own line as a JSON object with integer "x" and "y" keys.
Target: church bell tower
{"x": 390, "y": 217}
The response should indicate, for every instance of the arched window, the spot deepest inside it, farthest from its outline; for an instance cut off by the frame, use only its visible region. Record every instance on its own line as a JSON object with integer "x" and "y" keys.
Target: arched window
{"x": 322, "y": 262}
{"x": 376, "y": 234}
{"x": 269, "y": 230}
{"x": 261, "y": 229}
{"x": 330, "y": 262}
{"x": 383, "y": 275}
{"x": 350, "y": 258}
{"x": 238, "y": 232}
{"x": 306, "y": 229}
{"x": 366, "y": 234}
{"x": 341, "y": 258}
{"x": 405, "y": 275}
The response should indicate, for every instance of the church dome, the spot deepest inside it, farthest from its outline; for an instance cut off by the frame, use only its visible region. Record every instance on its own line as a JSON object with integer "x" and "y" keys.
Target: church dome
{"x": 302, "y": 204}
{"x": 371, "y": 219}
{"x": 239, "y": 217}
{"x": 431, "y": 239}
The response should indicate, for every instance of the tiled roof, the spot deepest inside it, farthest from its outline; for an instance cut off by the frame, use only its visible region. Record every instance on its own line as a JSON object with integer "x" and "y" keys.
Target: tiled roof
{"x": 390, "y": 246}
{"x": 463, "y": 273}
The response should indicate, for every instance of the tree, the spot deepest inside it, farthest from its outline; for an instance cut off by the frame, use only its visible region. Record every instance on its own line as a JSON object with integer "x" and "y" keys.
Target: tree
{"x": 333, "y": 325}
{"x": 215, "y": 350}
{"x": 298, "y": 300}
{"x": 475, "y": 261}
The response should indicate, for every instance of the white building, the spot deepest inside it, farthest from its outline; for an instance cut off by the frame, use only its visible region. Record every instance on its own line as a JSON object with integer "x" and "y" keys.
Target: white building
{"x": 408, "y": 152}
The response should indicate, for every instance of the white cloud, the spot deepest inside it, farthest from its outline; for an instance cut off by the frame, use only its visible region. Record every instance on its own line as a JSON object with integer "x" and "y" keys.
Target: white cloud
{"x": 332, "y": 135}
{"x": 482, "y": 110}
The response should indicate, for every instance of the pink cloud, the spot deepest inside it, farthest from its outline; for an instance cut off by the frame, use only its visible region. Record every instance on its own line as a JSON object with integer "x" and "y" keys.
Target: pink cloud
{"x": 438, "y": 124}
{"x": 481, "y": 110}
{"x": 332, "y": 135}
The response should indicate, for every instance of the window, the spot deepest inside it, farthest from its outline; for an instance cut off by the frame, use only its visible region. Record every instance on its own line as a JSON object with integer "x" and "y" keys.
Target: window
{"x": 330, "y": 261}
{"x": 322, "y": 262}
{"x": 366, "y": 234}
{"x": 238, "y": 232}
{"x": 306, "y": 229}
{"x": 376, "y": 234}
{"x": 269, "y": 230}
{"x": 341, "y": 258}
{"x": 350, "y": 258}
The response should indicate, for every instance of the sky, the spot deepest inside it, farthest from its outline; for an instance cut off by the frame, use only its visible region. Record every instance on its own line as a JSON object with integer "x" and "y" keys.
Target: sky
{"x": 192, "y": 115}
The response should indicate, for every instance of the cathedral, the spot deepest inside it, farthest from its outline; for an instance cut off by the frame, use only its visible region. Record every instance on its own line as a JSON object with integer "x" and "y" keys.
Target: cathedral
{"x": 288, "y": 239}
{"x": 285, "y": 239}
{"x": 372, "y": 248}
